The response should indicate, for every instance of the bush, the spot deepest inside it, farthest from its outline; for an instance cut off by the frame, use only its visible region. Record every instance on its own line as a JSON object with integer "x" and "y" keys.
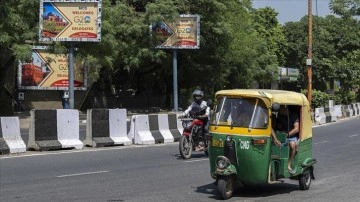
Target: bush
{"x": 319, "y": 99}
{"x": 345, "y": 97}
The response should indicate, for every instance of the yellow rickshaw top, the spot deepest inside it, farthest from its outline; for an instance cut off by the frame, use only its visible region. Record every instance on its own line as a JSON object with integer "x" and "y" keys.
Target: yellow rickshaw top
{"x": 279, "y": 96}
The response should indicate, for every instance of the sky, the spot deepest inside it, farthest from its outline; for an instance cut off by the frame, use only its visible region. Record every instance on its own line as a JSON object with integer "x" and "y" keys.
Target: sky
{"x": 294, "y": 10}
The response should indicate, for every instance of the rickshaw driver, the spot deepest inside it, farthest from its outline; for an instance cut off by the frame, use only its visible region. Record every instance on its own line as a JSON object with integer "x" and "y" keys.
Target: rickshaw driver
{"x": 243, "y": 118}
{"x": 289, "y": 122}
{"x": 240, "y": 114}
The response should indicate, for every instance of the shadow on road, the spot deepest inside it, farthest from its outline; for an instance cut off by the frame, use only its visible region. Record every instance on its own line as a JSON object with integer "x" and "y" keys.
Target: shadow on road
{"x": 253, "y": 191}
{"x": 194, "y": 155}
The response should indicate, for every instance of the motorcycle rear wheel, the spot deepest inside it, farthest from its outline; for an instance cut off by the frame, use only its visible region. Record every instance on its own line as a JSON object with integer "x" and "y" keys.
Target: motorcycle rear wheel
{"x": 185, "y": 147}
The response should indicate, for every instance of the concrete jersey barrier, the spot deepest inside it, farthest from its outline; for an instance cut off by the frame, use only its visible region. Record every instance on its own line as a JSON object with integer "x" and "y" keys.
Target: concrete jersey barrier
{"x": 355, "y": 107}
{"x": 347, "y": 110}
{"x": 325, "y": 115}
{"x": 154, "y": 129}
{"x": 10, "y": 136}
{"x": 54, "y": 129}
{"x": 106, "y": 127}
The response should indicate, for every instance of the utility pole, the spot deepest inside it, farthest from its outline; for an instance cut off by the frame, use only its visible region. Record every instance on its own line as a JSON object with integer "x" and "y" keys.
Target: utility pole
{"x": 309, "y": 60}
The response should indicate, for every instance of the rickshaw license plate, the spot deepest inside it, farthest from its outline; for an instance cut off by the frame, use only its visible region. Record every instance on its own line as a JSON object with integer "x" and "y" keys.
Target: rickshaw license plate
{"x": 217, "y": 143}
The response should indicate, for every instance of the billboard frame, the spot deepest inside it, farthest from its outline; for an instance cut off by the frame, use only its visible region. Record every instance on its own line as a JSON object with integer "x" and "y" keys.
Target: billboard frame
{"x": 76, "y": 39}
{"x": 197, "y": 34}
{"x": 21, "y": 87}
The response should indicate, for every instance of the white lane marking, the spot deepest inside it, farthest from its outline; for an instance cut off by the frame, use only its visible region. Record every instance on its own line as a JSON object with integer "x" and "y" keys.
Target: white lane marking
{"x": 195, "y": 160}
{"x": 337, "y": 176}
{"x": 353, "y": 135}
{"x": 320, "y": 142}
{"x": 78, "y": 174}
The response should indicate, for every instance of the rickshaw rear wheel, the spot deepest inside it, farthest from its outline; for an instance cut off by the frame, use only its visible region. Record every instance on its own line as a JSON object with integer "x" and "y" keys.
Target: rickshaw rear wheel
{"x": 305, "y": 180}
{"x": 225, "y": 187}
{"x": 185, "y": 147}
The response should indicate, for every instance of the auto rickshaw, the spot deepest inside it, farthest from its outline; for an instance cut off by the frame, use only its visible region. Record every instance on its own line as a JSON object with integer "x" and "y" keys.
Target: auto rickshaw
{"x": 243, "y": 152}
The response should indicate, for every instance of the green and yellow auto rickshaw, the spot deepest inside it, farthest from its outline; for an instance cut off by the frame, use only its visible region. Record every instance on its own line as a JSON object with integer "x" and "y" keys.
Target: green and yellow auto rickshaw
{"x": 242, "y": 150}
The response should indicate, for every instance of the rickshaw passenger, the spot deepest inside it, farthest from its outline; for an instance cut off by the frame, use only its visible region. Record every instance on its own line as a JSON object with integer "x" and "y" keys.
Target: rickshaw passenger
{"x": 288, "y": 121}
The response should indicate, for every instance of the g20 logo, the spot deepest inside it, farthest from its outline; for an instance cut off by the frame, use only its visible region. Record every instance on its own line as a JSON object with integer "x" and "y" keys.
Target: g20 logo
{"x": 184, "y": 30}
{"x": 82, "y": 19}
{"x": 63, "y": 67}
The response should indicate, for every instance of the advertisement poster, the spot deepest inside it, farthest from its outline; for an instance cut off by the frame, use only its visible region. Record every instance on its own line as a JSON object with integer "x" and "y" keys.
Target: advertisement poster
{"x": 49, "y": 71}
{"x": 184, "y": 33}
{"x": 70, "y": 21}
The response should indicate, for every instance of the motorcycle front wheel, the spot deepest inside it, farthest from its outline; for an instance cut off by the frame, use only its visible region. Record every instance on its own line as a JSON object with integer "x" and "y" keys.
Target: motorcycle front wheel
{"x": 185, "y": 147}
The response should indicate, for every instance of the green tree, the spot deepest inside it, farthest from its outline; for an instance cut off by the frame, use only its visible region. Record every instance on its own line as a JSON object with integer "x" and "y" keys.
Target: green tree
{"x": 345, "y": 8}
{"x": 273, "y": 46}
{"x": 17, "y": 26}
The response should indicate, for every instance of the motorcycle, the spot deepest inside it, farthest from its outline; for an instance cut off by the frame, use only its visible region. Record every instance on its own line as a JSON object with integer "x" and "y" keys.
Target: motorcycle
{"x": 193, "y": 137}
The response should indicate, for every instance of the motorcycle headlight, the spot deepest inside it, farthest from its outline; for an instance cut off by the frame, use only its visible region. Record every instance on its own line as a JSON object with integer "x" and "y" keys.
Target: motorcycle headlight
{"x": 222, "y": 162}
{"x": 186, "y": 124}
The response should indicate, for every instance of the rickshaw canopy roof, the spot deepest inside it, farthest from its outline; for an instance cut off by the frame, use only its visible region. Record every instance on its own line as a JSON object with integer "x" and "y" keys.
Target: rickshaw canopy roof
{"x": 280, "y": 96}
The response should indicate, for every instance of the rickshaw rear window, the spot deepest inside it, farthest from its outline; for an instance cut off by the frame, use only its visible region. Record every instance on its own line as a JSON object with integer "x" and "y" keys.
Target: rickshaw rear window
{"x": 241, "y": 112}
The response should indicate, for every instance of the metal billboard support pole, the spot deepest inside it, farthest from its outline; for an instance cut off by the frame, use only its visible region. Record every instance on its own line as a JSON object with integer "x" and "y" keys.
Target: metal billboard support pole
{"x": 71, "y": 76}
{"x": 175, "y": 82}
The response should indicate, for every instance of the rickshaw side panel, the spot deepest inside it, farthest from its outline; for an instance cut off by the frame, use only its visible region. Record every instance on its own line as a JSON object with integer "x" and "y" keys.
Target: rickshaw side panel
{"x": 305, "y": 152}
{"x": 280, "y": 155}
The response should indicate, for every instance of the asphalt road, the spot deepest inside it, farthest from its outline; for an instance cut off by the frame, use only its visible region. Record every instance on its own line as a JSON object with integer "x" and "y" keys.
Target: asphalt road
{"x": 156, "y": 173}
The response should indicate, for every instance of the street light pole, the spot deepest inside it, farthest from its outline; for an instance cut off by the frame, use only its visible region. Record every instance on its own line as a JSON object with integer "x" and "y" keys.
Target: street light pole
{"x": 309, "y": 60}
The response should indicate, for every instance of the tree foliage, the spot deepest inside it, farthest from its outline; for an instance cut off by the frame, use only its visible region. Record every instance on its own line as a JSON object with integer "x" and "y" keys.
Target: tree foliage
{"x": 345, "y": 8}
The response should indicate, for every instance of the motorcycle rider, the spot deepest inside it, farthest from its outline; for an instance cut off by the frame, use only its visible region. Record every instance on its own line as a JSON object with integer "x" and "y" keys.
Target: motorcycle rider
{"x": 200, "y": 108}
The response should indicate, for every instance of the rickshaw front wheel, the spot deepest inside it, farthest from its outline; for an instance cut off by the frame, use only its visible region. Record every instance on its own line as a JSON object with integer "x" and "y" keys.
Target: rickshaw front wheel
{"x": 225, "y": 187}
{"x": 305, "y": 180}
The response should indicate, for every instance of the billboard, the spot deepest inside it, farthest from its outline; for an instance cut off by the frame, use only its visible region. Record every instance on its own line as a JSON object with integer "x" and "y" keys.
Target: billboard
{"x": 75, "y": 20}
{"x": 48, "y": 71}
{"x": 184, "y": 33}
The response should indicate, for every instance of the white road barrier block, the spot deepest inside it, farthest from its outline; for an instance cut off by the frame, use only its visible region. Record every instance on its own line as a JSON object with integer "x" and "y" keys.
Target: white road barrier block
{"x": 320, "y": 117}
{"x": 164, "y": 128}
{"x": 118, "y": 126}
{"x": 68, "y": 128}
{"x": 338, "y": 112}
{"x": 141, "y": 130}
{"x": 10, "y": 132}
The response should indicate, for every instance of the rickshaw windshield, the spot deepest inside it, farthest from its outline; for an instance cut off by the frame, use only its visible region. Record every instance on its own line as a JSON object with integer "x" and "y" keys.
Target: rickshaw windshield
{"x": 241, "y": 112}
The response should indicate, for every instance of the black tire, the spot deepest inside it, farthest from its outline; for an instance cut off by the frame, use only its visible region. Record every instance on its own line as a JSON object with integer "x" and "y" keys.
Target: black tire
{"x": 185, "y": 147}
{"x": 225, "y": 187}
{"x": 305, "y": 180}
